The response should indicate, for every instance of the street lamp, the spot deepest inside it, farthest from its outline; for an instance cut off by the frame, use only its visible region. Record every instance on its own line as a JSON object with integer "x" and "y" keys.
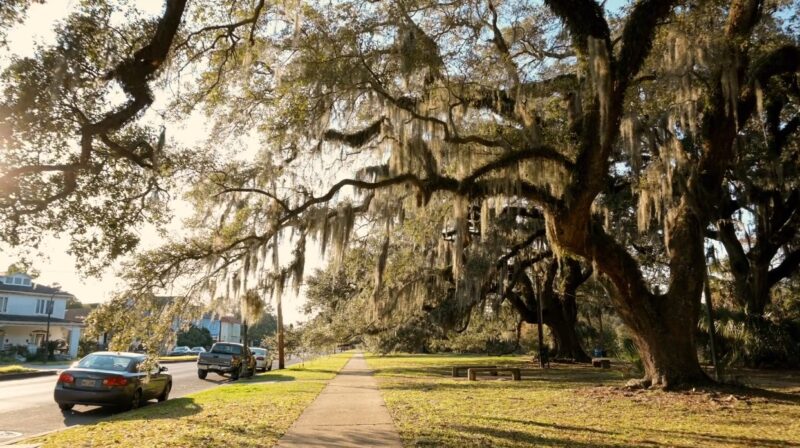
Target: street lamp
{"x": 712, "y": 333}
{"x": 56, "y": 287}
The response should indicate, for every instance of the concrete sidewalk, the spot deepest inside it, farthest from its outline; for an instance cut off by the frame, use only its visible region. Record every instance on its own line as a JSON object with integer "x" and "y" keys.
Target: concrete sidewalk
{"x": 349, "y": 412}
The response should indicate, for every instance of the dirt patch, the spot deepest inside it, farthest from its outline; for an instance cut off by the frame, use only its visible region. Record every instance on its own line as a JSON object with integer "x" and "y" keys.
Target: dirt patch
{"x": 693, "y": 398}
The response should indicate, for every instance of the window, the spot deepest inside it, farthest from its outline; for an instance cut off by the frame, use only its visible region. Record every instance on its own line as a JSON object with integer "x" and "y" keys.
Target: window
{"x": 3, "y": 304}
{"x": 108, "y": 362}
{"x": 17, "y": 281}
{"x": 26, "y": 282}
{"x": 41, "y": 306}
{"x": 228, "y": 349}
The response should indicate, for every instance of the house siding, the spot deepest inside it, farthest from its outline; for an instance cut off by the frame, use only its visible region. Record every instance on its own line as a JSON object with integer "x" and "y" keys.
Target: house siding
{"x": 25, "y": 305}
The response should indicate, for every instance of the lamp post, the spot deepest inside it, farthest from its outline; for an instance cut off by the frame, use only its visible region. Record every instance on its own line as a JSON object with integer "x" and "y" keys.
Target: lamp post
{"x": 712, "y": 333}
{"x": 56, "y": 288}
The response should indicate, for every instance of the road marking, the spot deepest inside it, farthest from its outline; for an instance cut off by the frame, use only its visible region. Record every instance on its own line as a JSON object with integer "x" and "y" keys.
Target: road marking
{"x": 9, "y": 434}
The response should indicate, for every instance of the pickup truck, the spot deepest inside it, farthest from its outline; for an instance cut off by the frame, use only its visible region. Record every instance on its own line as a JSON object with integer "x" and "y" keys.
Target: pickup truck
{"x": 226, "y": 357}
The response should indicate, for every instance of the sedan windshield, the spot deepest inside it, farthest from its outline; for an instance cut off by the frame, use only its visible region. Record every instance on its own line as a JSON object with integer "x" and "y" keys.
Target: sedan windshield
{"x": 259, "y": 351}
{"x": 226, "y": 349}
{"x": 106, "y": 362}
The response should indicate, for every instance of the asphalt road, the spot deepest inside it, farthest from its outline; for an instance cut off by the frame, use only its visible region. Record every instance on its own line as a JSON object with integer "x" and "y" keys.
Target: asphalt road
{"x": 27, "y": 406}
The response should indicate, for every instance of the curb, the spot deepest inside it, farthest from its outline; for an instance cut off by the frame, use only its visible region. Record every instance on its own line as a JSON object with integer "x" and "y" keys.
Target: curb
{"x": 23, "y": 375}
{"x": 19, "y": 443}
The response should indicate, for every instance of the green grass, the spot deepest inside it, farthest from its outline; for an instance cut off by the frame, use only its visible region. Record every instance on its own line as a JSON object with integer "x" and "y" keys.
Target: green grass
{"x": 181, "y": 358}
{"x": 573, "y": 406}
{"x": 253, "y": 412}
{"x": 14, "y": 369}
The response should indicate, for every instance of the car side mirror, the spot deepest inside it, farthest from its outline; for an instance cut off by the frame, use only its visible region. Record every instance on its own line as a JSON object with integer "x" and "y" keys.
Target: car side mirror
{"x": 162, "y": 369}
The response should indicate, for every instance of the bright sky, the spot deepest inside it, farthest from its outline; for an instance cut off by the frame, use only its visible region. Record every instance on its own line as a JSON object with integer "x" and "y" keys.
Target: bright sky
{"x": 52, "y": 259}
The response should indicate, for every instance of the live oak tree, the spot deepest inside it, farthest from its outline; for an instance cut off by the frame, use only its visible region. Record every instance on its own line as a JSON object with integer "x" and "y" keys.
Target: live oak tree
{"x": 379, "y": 107}
{"x": 77, "y": 159}
{"x": 470, "y": 99}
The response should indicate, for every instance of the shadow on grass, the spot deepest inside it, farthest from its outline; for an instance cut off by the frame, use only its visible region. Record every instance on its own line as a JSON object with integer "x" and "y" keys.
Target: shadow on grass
{"x": 268, "y": 378}
{"x": 704, "y": 439}
{"x": 254, "y": 435}
{"x": 752, "y": 392}
{"x": 549, "y": 425}
{"x": 554, "y": 377}
{"x": 289, "y": 375}
{"x": 175, "y": 408}
{"x": 518, "y": 438}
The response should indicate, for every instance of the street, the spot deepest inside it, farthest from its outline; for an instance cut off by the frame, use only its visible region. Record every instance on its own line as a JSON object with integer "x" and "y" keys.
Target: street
{"x": 27, "y": 406}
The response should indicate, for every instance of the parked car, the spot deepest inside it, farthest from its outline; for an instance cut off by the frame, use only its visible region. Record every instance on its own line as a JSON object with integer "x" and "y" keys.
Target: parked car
{"x": 263, "y": 358}
{"x": 226, "y": 358}
{"x": 111, "y": 379}
{"x": 198, "y": 350}
{"x": 179, "y": 351}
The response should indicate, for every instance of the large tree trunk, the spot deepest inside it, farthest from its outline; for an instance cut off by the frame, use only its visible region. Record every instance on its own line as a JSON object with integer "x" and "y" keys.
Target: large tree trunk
{"x": 565, "y": 339}
{"x": 663, "y": 326}
{"x": 561, "y": 312}
{"x": 666, "y": 343}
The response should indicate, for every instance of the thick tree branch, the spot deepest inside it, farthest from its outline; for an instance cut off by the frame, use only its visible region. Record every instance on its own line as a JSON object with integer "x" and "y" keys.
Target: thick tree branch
{"x": 355, "y": 139}
{"x": 637, "y": 37}
{"x": 133, "y": 75}
{"x": 584, "y": 19}
{"x": 787, "y": 267}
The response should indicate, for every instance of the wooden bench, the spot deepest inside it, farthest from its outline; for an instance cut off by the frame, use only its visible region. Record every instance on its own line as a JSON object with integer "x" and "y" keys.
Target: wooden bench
{"x": 457, "y": 369}
{"x": 601, "y": 362}
{"x": 473, "y": 371}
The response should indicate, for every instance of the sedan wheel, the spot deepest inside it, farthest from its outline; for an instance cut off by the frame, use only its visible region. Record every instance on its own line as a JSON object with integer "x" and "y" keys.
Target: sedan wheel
{"x": 137, "y": 399}
{"x": 165, "y": 395}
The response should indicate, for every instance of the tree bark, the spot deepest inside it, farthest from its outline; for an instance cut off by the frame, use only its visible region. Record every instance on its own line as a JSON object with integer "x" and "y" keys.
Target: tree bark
{"x": 565, "y": 339}
{"x": 560, "y": 311}
{"x": 663, "y": 325}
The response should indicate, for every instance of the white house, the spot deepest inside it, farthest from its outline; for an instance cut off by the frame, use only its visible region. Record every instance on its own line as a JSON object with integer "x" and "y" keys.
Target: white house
{"x": 25, "y": 310}
{"x": 222, "y": 329}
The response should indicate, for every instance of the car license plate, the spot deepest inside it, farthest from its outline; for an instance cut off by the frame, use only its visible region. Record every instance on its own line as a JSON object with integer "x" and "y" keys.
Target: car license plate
{"x": 214, "y": 367}
{"x": 88, "y": 383}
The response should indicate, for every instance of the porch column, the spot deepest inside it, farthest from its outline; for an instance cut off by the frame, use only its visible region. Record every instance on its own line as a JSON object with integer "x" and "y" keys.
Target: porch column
{"x": 74, "y": 340}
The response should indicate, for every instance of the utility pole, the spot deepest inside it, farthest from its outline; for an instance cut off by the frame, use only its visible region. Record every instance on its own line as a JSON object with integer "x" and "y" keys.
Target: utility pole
{"x": 542, "y": 348}
{"x": 712, "y": 333}
{"x": 281, "y": 360}
{"x": 56, "y": 287}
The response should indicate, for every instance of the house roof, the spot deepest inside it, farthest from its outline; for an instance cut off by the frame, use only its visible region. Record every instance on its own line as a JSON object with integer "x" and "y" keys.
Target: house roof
{"x": 33, "y": 319}
{"x": 77, "y": 314}
{"x": 35, "y": 288}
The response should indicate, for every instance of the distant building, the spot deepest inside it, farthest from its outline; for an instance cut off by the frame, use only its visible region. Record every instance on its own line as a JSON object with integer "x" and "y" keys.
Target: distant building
{"x": 80, "y": 314}
{"x": 222, "y": 329}
{"x": 25, "y": 307}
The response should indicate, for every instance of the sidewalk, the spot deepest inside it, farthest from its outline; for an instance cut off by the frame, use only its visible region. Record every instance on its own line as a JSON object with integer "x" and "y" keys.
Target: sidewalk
{"x": 52, "y": 365}
{"x": 349, "y": 412}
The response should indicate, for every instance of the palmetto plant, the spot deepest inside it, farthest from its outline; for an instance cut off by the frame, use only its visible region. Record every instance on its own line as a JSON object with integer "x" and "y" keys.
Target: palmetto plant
{"x": 756, "y": 341}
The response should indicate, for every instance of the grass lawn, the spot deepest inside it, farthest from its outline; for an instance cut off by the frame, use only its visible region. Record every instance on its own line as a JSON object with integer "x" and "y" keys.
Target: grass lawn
{"x": 181, "y": 358}
{"x": 252, "y": 412}
{"x": 573, "y": 406}
{"x": 14, "y": 369}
